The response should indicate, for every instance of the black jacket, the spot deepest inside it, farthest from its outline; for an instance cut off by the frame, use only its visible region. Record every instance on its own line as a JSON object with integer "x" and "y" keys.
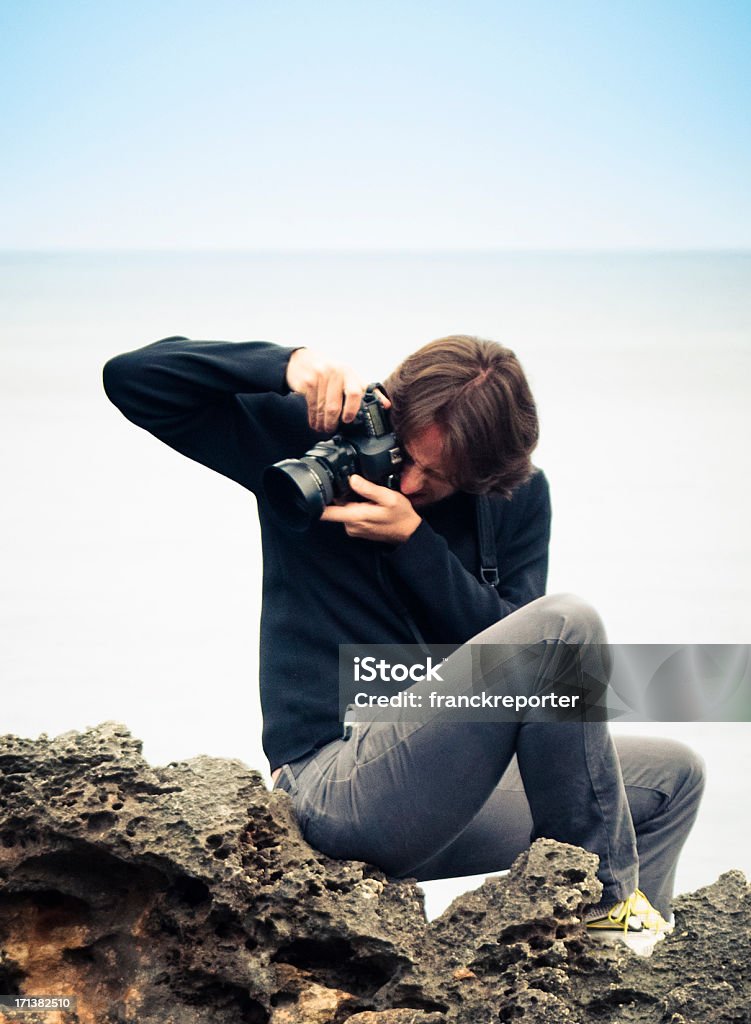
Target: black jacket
{"x": 227, "y": 406}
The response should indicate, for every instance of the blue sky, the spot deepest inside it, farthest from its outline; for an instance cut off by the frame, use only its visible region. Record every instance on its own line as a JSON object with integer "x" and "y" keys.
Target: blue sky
{"x": 295, "y": 124}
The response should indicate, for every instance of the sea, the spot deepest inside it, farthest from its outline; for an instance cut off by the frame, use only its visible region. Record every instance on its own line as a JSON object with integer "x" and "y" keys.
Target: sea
{"x": 130, "y": 583}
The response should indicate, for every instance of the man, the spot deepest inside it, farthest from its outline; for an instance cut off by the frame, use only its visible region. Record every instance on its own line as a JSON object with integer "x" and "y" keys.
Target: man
{"x": 426, "y": 799}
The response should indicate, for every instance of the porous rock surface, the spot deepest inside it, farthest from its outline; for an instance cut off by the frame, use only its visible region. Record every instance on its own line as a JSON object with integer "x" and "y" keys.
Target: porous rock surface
{"x": 186, "y": 894}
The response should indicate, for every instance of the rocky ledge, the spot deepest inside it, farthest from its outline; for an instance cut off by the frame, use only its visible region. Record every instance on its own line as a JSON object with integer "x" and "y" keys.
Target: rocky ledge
{"x": 186, "y": 894}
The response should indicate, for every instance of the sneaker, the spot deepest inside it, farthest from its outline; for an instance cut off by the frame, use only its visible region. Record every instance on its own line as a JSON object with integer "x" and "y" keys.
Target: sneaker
{"x": 651, "y": 918}
{"x": 633, "y": 921}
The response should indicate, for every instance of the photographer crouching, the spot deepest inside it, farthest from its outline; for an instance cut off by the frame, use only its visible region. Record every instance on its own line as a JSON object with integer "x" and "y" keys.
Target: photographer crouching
{"x": 422, "y": 520}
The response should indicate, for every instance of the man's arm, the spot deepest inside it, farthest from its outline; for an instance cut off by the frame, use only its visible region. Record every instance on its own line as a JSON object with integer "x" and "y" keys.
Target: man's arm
{"x": 217, "y": 402}
{"x": 451, "y": 602}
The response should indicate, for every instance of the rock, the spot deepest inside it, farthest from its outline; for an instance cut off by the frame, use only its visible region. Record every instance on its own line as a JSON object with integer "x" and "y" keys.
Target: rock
{"x": 186, "y": 893}
{"x": 519, "y": 932}
{"x": 183, "y": 893}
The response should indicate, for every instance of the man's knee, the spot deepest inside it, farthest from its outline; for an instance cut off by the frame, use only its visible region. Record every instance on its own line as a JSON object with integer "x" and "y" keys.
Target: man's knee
{"x": 570, "y": 618}
{"x": 555, "y": 617}
{"x": 689, "y": 769}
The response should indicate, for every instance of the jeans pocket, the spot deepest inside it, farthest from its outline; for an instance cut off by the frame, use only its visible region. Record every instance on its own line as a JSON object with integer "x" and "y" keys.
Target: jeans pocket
{"x": 286, "y": 781}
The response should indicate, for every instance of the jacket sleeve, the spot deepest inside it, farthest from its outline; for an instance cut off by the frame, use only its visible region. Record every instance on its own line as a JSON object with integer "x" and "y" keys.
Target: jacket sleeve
{"x": 216, "y": 402}
{"x": 448, "y": 599}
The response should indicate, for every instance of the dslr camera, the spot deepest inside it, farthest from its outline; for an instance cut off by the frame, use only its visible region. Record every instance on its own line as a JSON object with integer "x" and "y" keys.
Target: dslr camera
{"x": 298, "y": 490}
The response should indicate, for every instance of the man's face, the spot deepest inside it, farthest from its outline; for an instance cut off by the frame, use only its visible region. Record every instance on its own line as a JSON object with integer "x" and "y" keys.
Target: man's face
{"x": 424, "y": 476}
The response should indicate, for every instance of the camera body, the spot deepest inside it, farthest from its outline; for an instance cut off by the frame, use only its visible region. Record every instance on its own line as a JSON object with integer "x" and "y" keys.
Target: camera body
{"x": 298, "y": 490}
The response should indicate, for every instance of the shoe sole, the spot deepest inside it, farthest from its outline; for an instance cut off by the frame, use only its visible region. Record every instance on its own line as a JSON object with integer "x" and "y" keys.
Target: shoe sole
{"x": 641, "y": 943}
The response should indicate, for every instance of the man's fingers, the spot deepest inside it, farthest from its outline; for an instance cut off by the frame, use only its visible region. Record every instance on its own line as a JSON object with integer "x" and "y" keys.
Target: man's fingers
{"x": 354, "y": 389}
{"x": 324, "y": 398}
{"x": 367, "y": 489}
{"x": 350, "y": 512}
{"x": 311, "y": 397}
{"x": 356, "y": 517}
{"x": 332, "y": 390}
{"x": 336, "y": 514}
{"x": 391, "y": 519}
{"x": 335, "y": 397}
{"x": 330, "y": 398}
{"x": 383, "y": 399}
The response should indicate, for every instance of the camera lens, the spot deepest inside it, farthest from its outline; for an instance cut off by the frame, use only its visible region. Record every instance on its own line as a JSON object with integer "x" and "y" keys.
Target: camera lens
{"x": 298, "y": 491}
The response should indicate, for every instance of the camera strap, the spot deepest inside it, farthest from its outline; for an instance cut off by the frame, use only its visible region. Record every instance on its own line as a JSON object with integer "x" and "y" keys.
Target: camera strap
{"x": 488, "y": 558}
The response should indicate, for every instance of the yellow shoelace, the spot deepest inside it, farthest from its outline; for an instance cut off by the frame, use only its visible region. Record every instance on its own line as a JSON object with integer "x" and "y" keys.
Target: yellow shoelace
{"x": 650, "y": 917}
{"x": 622, "y": 912}
{"x": 637, "y": 905}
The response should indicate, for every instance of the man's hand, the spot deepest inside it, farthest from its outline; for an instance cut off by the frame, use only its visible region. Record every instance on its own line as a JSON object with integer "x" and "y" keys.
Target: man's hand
{"x": 332, "y": 390}
{"x": 386, "y": 515}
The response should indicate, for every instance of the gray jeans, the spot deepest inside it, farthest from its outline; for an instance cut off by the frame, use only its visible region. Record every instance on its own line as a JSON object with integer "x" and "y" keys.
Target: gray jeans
{"x": 439, "y": 799}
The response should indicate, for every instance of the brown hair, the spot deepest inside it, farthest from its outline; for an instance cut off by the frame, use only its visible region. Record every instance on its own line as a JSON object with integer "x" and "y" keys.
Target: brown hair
{"x": 476, "y": 391}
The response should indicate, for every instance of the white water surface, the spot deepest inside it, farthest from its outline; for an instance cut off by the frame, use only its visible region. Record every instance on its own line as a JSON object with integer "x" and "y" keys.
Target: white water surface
{"x": 131, "y": 577}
